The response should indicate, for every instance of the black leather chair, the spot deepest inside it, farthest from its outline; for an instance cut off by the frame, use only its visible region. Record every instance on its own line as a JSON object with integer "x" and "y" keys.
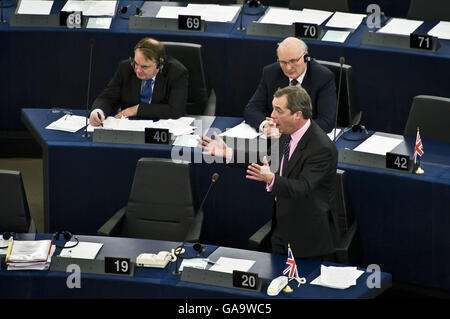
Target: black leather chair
{"x": 348, "y": 250}
{"x": 14, "y": 211}
{"x": 328, "y": 5}
{"x": 161, "y": 204}
{"x": 201, "y": 101}
{"x": 431, "y": 10}
{"x": 431, "y": 114}
{"x": 349, "y": 112}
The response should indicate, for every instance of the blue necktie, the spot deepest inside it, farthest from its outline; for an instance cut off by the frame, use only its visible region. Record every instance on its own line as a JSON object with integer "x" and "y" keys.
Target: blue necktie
{"x": 147, "y": 91}
{"x": 286, "y": 153}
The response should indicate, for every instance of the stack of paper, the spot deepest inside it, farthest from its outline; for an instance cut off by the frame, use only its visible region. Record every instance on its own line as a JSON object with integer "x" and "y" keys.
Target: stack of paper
{"x": 68, "y": 123}
{"x": 29, "y": 255}
{"x": 337, "y": 277}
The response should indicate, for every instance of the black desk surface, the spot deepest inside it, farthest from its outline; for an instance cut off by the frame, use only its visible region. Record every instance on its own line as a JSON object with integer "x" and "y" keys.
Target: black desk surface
{"x": 161, "y": 283}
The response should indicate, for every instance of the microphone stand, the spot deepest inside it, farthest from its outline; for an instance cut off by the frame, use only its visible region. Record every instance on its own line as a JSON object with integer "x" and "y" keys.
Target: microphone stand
{"x": 341, "y": 61}
{"x": 2, "y": 19}
{"x": 91, "y": 44}
{"x": 241, "y": 27}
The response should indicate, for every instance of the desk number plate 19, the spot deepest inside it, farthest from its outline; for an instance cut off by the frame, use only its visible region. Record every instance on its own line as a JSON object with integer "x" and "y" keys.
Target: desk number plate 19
{"x": 421, "y": 41}
{"x": 157, "y": 136}
{"x": 306, "y": 30}
{"x": 246, "y": 280}
{"x": 117, "y": 265}
{"x": 397, "y": 161}
{"x": 186, "y": 22}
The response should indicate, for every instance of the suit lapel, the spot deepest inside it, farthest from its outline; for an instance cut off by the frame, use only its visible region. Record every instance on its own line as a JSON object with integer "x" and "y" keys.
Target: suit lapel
{"x": 158, "y": 92}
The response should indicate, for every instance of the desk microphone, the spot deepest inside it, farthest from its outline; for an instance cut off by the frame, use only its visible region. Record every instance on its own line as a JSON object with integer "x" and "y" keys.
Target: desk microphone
{"x": 197, "y": 246}
{"x": 91, "y": 45}
{"x": 214, "y": 179}
{"x": 341, "y": 62}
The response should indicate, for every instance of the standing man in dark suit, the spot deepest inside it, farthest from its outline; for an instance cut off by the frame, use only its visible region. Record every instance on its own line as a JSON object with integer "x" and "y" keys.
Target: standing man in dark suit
{"x": 294, "y": 67}
{"x": 150, "y": 84}
{"x": 303, "y": 186}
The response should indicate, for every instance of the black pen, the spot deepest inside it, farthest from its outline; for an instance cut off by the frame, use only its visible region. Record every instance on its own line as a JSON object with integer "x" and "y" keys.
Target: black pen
{"x": 100, "y": 118}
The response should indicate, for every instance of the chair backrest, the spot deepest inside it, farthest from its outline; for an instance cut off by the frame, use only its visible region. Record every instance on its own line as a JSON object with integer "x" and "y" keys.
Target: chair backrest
{"x": 161, "y": 204}
{"x": 344, "y": 211}
{"x": 14, "y": 211}
{"x": 431, "y": 114}
{"x": 329, "y": 5}
{"x": 349, "y": 112}
{"x": 432, "y": 10}
{"x": 190, "y": 55}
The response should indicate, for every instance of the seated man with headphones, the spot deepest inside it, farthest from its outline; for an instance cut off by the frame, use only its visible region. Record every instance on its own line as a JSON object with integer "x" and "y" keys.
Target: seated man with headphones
{"x": 148, "y": 85}
{"x": 294, "y": 67}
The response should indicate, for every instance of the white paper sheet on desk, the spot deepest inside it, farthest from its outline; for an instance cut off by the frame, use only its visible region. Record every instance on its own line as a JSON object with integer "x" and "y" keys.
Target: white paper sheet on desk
{"x": 242, "y": 130}
{"x": 225, "y": 264}
{"x": 336, "y": 36}
{"x": 215, "y": 12}
{"x": 99, "y": 23}
{"x": 186, "y": 140}
{"x": 92, "y": 8}
{"x": 345, "y": 20}
{"x": 441, "y": 30}
{"x": 400, "y": 26}
{"x": 123, "y": 123}
{"x": 84, "y": 250}
{"x": 378, "y": 144}
{"x": 35, "y": 7}
{"x": 68, "y": 123}
{"x": 337, "y": 277}
{"x": 331, "y": 134}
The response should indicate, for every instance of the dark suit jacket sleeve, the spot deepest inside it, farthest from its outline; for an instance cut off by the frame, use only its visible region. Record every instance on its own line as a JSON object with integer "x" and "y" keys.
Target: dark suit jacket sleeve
{"x": 257, "y": 108}
{"x": 174, "y": 86}
{"x": 109, "y": 99}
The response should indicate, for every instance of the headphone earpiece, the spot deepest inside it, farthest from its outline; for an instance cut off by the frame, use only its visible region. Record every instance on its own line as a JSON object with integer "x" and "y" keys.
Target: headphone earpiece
{"x": 6, "y": 236}
{"x": 124, "y": 9}
{"x": 67, "y": 236}
{"x": 199, "y": 248}
{"x": 306, "y": 58}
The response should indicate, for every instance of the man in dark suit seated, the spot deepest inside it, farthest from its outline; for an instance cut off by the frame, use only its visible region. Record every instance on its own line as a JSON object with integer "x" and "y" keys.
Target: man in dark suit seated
{"x": 150, "y": 84}
{"x": 303, "y": 185}
{"x": 294, "y": 67}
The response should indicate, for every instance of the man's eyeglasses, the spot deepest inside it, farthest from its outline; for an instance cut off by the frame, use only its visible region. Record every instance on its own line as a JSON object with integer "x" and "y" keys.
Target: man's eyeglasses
{"x": 134, "y": 64}
{"x": 291, "y": 61}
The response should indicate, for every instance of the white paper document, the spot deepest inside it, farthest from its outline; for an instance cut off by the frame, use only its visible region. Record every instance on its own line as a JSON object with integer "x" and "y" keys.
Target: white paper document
{"x": 35, "y": 7}
{"x": 400, "y": 26}
{"x": 99, "y": 23}
{"x": 92, "y": 8}
{"x": 186, "y": 140}
{"x": 345, "y": 20}
{"x": 242, "y": 130}
{"x": 441, "y": 30}
{"x": 337, "y": 277}
{"x": 208, "y": 12}
{"x": 84, "y": 250}
{"x": 68, "y": 123}
{"x": 286, "y": 16}
{"x": 225, "y": 264}
{"x": 331, "y": 134}
{"x": 199, "y": 263}
{"x": 336, "y": 36}
{"x": 29, "y": 251}
{"x": 379, "y": 144}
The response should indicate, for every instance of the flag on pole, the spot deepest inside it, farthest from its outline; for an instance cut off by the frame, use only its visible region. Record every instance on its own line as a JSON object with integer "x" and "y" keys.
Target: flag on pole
{"x": 291, "y": 266}
{"x": 418, "y": 149}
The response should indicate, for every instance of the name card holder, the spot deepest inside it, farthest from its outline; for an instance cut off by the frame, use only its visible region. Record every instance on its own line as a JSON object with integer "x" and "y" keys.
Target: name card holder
{"x": 414, "y": 42}
{"x": 152, "y": 23}
{"x": 88, "y": 266}
{"x": 216, "y": 278}
{"x": 103, "y": 135}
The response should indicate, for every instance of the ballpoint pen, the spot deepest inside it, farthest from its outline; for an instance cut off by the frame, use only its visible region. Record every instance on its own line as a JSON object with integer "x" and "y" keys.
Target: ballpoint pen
{"x": 100, "y": 118}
